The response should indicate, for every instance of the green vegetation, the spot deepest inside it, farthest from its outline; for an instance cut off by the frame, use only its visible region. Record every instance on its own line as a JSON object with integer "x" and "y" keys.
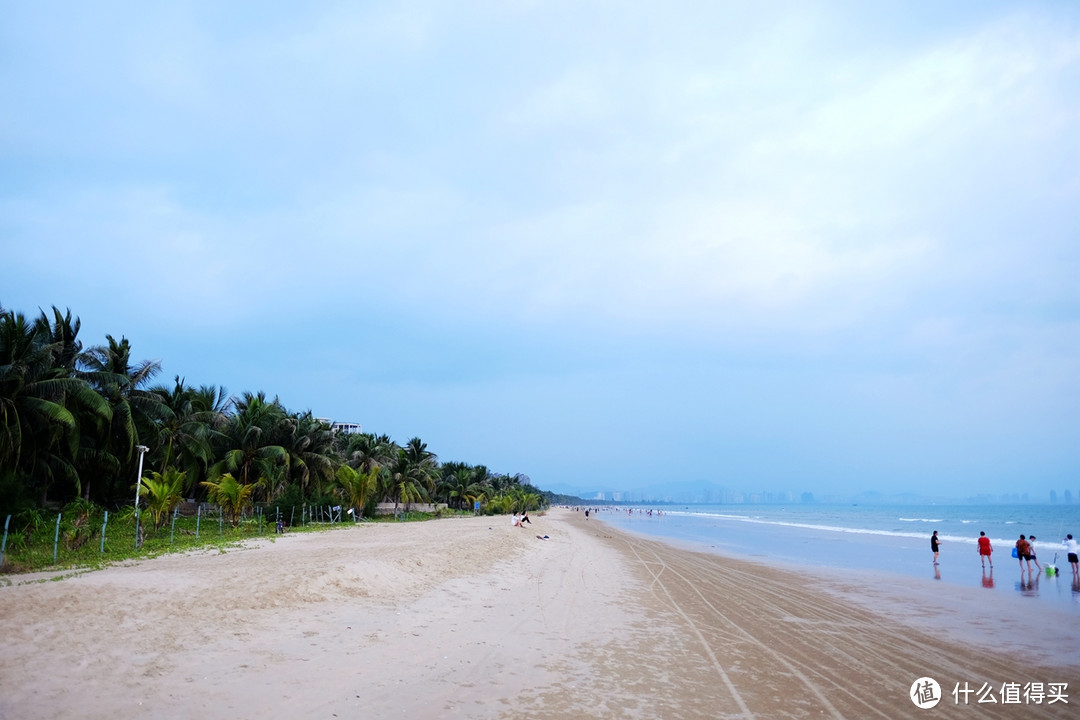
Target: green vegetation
{"x": 33, "y": 538}
{"x": 74, "y": 424}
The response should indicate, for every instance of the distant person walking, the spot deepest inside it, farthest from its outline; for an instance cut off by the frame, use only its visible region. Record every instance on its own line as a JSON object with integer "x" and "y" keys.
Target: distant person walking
{"x": 935, "y": 546}
{"x": 1072, "y": 548}
{"x": 985, "y": 550}
{"x": 1023, "y": 552}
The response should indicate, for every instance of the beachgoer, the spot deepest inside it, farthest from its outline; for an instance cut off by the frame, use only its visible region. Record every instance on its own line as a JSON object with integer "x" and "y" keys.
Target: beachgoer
{"x": 985, "y": 550}
{"x": 586, "y": 513}
{"x": 525, "y": 518}
{"x": 516, "y": 521}
{"x": 1031, "y": 542}
{"x": 935, "y": 544}
{"x": 1023, "y": 552}
{"x": 1072, "y": 548}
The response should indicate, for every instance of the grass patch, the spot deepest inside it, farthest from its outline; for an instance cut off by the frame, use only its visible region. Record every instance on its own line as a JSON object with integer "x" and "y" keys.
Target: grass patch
{"x": 33, "y": 537}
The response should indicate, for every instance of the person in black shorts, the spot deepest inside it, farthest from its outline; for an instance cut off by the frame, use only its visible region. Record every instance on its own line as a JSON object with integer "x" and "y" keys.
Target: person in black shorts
{"x": 935, "y": 546}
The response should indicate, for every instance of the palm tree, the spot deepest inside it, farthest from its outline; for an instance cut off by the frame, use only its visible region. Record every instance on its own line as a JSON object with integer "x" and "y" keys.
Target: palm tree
{"x": 357, "y": 486}
{"x": 310, "y": 445}
{"x": 408, "y": 481}
{"x": 163, "y": 492}
{"x": 460, "y": 486}
{"x": 424, "y": 463}
{"x": 39, "y": 400}
{"x": 231, "y": 496}
{"x": 185, "y": 431}
{"x": 365, "y": 451}
{"x": 135, "y": 411}
{"x": 252, "y": 454}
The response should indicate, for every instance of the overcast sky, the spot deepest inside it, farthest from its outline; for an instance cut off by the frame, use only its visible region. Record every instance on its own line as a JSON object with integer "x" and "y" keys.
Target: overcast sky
{"x": 822, "y": 246}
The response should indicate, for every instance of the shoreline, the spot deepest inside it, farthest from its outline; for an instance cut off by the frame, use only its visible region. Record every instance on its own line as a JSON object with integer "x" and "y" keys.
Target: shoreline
{"x": 471, "y": 618}
{"x": 888, "y": 557}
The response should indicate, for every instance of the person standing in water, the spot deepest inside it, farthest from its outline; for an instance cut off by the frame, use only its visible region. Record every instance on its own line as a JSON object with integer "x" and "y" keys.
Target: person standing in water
{"x": 1031, "y": 543}
{"x": 985, "y": 550}
{"x": 1023, "y": 552}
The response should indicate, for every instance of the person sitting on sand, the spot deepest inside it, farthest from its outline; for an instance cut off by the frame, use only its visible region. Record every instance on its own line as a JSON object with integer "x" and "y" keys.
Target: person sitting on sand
{"x": 516, "y": 521}
{"x": 525, "y": 518}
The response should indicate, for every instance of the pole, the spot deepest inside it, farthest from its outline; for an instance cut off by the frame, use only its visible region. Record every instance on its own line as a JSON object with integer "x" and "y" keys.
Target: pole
{"x": 138, "y": 484}
{"x": 56, "y": 538}
{"x": 103, "y": 532}
{"x": 3, "y": 547}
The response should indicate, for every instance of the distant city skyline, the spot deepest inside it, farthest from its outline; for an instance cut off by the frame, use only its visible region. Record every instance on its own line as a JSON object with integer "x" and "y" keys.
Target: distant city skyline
{"x": 726, "y": 496}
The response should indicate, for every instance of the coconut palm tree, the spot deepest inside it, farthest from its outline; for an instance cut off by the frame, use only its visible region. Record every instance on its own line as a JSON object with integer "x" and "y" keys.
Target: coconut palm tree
{"x": 356, "y": 486}
{"x": 252, "y": 452}
{"x": 425, "y": 465}
{"x": 185, "y": 431}
{"x": 408, "y": 481}
{"x": 231, "y": 496}
{"x": 310, "y": 445}
{"x": 39, "y": 403}
{"x": 365, "y": 451}
{"x": 163, "y": 492}
{"x": 460, "y": 487}
{"x": 135, "y": 410}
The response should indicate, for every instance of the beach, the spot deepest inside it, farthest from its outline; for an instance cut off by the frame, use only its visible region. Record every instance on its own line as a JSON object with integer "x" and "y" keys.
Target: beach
{"x": 473, "y": 618}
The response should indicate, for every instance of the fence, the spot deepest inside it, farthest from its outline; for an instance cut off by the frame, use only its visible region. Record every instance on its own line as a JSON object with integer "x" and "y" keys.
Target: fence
{"x": 86, "y": 538}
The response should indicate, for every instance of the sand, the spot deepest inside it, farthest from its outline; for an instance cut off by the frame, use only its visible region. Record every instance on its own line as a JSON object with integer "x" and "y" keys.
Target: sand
{"x": 472, "y": 618}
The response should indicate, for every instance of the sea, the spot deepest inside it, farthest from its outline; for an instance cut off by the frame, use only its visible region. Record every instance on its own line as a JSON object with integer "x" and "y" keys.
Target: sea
{"x": 886, "y": 538}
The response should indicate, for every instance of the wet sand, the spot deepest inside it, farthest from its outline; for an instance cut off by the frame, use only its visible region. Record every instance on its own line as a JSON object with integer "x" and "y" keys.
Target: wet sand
{"x": 472, "y": 618}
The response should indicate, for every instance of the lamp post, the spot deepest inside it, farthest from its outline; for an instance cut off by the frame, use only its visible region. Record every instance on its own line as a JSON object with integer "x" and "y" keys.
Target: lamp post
{"x": 138, "y": 483}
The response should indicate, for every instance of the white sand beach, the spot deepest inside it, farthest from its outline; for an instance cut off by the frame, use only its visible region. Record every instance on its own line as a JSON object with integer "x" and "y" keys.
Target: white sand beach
{"x": 472, "y": 618}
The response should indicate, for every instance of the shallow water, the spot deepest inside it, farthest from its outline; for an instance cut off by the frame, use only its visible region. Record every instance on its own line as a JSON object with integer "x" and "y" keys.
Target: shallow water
{"x": 893, "y": 539}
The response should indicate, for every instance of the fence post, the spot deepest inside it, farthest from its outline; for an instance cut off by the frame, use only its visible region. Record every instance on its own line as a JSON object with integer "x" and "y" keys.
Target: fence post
{"x": 106, "y": 522}
{"x": 198, "y": 518}
{"x": 56, "y": 538}
{"x": 172, "y": 529}
{"x": 3, "y": 546}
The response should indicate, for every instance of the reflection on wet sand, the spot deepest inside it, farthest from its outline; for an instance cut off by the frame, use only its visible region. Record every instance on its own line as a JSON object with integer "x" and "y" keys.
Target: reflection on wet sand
{"x": 988, "y": 578}
{"x": 1029, "y": 587}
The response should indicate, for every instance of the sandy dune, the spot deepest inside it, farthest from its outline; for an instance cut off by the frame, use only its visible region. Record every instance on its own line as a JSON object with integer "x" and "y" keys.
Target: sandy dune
{"x": 472, "y": 618}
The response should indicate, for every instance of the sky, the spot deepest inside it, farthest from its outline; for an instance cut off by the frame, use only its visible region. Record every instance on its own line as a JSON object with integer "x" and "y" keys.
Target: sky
{"x": 825, "y": 246}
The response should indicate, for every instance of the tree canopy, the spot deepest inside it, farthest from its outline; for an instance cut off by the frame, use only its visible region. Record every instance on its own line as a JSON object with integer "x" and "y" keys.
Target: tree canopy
{"x": 71, "y": 419}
